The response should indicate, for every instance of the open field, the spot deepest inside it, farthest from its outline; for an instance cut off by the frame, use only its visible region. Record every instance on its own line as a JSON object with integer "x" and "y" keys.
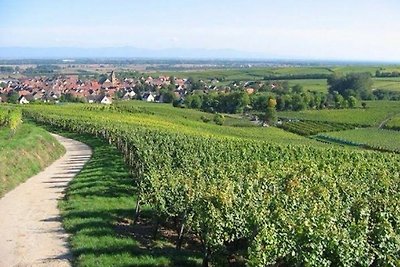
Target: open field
{"x": 375, "y": 113}
{"x": 390, "y": 84}
{"x": 394, "y": 123}
{"x": 321, "y": 85}
{"x": 316, "y": 85}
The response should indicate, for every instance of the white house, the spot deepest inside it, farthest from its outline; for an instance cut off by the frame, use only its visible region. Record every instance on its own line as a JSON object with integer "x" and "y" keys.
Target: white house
{"x": 149, "y": 97}
{"x": 106, "y": 100}
{"x": 23, "y": 100}
{"x": 129, "y": 95}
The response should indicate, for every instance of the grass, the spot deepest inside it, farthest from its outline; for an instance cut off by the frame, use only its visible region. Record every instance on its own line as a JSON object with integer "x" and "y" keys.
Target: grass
{"x": 98, "y": 211}
{"x": 242, "y": 74}
{"x": 394, "y": 123}
{"x": 371, "y": 137}
{"x": 25, "y": 154}
{"x": 389, "y": 84}
{"x": 316, "y": 85}
{"x": 375, "y": 113}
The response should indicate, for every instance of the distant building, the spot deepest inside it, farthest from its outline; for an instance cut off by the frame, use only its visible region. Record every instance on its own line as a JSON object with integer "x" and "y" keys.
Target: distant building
{"x": 106, "y": 100}
{"x": 22, "y": 100}
{"x": 250, "y": 90}
{"x": 113, "y": 79}
{"x": 149, "y": 97}
{"x": 129, "y": 95}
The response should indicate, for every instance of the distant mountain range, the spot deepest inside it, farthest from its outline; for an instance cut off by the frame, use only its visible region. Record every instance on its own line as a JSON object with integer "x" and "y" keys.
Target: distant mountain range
{"x": 121, "y": 52}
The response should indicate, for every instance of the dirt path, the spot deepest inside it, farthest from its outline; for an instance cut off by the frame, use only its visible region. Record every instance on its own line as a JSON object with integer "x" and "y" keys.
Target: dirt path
{"x": 383, "y": 123}
{"x": 31, "y": 233}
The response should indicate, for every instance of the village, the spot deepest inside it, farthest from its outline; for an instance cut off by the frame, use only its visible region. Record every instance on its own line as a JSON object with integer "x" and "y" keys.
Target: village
{"x": 72, "y": 89}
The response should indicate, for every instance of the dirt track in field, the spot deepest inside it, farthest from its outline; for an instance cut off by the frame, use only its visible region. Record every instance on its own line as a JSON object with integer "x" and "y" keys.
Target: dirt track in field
{"x": 31, "y": 233}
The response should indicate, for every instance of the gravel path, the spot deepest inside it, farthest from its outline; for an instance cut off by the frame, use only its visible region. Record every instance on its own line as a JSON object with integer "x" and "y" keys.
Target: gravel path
{"x": 31, "y": 233}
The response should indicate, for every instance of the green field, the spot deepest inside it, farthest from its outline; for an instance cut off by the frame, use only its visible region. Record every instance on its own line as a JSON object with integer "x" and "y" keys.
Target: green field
{"x": 390, "y": 84}
{"x": 317, "y": 85}
{"x": 320, "y": 85}
{"x": 375, "y": 113}
{"x": 375, "y": 138}
{"x": 242, "y": 74}
{"x": 394, "y": 123}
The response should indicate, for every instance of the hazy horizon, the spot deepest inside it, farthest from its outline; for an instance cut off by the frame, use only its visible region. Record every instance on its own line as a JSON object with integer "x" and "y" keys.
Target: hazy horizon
{"x": 329, "y": 30}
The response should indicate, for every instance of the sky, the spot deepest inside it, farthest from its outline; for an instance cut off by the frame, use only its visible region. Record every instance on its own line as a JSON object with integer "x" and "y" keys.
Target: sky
{"x": 285, "y": 29}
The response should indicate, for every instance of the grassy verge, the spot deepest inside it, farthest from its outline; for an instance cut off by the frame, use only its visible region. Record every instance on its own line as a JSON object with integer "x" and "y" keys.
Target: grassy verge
{"x": 98, "y": 212}
{"x": 24, "y": 154}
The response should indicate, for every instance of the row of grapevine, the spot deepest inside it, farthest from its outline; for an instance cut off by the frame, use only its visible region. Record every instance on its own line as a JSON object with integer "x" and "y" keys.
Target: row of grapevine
{"x": 341, "y": 141}
{"x": 10, "y": 118}
{"x": 118, "y": 107}
{"x": 291, "y": 205}
{"x": 368, "y": 138}
{"x": 313, "y": 127}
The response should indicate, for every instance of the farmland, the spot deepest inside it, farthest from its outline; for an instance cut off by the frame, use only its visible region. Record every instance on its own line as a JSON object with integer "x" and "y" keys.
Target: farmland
{"x": 165, "y": 117}
{"x": 394, "y": 123}
{"x": 379, "y": 139}
{"x": 313, "y": 127}
{"x": 375, "y": 113}
{"x": 169, "y": 185}
{"x": 314, "y": 201}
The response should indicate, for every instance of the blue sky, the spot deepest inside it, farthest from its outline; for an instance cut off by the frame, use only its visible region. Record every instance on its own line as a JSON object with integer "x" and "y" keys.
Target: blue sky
{"x": 346, "y": 30}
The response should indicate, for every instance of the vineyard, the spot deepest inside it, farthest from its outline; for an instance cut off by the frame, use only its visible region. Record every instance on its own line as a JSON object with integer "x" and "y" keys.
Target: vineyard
{"x": 190, "y": 122}
{"x": 313, "y": 127}
{"x": 10, "y": 118}
{"x": 378, "y": 139}
{"x": 374, "y": 113}
{"x": 256, "y": 202}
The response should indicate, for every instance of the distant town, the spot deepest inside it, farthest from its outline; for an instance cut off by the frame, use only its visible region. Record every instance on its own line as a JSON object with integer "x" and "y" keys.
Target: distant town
{"x": 63, "y": 88}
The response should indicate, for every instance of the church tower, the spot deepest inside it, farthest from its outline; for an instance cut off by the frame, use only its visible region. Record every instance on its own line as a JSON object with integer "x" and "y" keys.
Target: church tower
{"x": 113, "y": 80}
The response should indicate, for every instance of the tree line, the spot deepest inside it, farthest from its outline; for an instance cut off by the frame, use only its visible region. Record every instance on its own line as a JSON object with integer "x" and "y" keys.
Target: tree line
{"x": 344, "y": 92}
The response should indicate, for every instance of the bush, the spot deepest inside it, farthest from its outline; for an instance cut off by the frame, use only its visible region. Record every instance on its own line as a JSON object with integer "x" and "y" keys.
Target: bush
{"x": 205, "y": 119}
{"x": 219, "y": 119}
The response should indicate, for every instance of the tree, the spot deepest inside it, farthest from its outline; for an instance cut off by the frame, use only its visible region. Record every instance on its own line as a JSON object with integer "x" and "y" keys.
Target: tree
{"x": 193, "y": 101}
{"x": 339, "y": 101}
{"x": 270, "y": 113}
{"x": 168, "y": 96}
{"x": 236, "y": 102}
{"x": 12, "y": 97}
{"x": 353, "y": 84}
{"x": 364, "y": 104}
{"x": 298, "y": 103}
{"x": 352, "y": 101}
{"x": 297, "y": 88}
{"x": 219, "y": 119}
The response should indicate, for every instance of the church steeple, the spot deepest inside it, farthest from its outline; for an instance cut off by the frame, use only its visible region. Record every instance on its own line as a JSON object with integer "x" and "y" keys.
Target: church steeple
{"x": 113, "y": 80}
